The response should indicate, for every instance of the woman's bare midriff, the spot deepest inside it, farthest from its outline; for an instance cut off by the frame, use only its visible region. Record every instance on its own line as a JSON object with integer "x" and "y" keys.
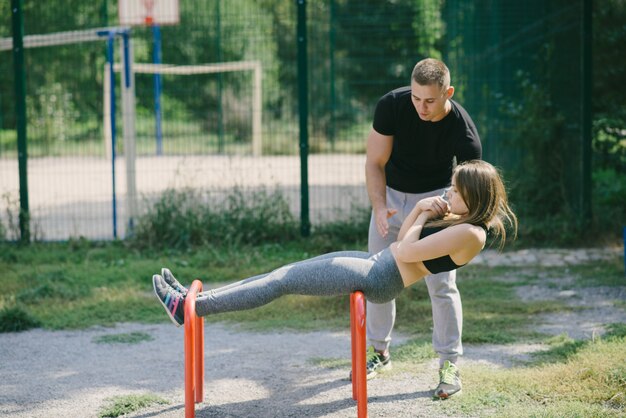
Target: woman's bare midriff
{"x": 410, "y": 272}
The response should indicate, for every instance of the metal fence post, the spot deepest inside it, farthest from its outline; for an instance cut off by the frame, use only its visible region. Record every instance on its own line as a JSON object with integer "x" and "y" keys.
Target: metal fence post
{"x": 20, "y": 112}
{"x": 305, "y": 224}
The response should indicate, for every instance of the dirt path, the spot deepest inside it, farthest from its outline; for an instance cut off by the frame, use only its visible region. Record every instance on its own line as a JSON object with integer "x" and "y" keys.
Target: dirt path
{"x": 68, "y": 373}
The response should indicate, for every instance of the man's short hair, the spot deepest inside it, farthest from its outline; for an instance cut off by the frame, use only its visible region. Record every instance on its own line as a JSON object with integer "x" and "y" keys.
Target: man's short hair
{"x": 431, "y": 71}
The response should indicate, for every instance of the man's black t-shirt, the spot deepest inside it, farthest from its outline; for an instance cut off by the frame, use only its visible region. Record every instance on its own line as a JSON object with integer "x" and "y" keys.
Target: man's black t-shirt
{"x": 423, "y": 152}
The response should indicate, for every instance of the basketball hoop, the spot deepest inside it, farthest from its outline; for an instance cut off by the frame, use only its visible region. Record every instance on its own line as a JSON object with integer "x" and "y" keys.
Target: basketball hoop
{"x": 148, "y": 12}
{"x": 148, "y": 7}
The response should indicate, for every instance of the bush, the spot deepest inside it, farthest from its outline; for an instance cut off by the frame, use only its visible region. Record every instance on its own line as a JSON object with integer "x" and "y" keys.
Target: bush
{"x": 183, "y": 219}
{"x": 609, "y": 200}
{"x": 14, "y": 319}
{"x": 352, "y": 230}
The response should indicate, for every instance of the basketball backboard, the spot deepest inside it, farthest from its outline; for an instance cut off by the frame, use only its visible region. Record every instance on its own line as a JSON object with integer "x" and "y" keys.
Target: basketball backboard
{"x": 148, "y": 12}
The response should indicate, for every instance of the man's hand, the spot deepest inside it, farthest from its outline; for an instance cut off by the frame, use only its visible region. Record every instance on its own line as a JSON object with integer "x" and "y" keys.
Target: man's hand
{"x": 380, "y": 217}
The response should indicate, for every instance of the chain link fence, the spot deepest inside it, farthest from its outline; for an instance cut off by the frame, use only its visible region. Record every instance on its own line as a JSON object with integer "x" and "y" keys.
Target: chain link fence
{"x": 222, "y": 109}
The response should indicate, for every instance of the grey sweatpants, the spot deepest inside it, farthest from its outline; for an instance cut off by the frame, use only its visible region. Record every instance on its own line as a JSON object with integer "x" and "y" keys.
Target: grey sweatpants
{"x": 339, "y": 273}
{"x": 444, "y": 295}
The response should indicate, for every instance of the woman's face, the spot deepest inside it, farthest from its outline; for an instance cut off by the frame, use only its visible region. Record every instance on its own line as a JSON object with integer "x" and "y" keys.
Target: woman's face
{"x": 457, "y": 205}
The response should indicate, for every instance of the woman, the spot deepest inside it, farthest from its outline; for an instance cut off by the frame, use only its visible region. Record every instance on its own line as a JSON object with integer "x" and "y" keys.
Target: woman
{"x": 438, "y": 235}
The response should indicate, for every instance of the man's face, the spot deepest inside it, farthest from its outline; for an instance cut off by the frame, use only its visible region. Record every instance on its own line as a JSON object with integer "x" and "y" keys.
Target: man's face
{"x": 430, "y": 101}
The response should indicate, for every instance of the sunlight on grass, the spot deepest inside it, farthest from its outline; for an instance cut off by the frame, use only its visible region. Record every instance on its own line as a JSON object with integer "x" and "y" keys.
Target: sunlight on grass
{"x": 107, "y": 306}
{"x": 591, "y": 382}
{"x": 299, "y": 313}
{"x": 122, "y": 405}
{"x": 332, "y": 363}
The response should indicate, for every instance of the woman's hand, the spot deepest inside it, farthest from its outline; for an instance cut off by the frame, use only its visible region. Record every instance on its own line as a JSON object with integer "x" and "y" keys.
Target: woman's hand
{"x": 435, "y": 205}
{"x": 425, "y": 209}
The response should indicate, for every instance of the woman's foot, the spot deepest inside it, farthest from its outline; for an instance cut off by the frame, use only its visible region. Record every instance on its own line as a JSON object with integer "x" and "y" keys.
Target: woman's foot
{"x": 172, "y": 300}
{"x": 171, "y": 280}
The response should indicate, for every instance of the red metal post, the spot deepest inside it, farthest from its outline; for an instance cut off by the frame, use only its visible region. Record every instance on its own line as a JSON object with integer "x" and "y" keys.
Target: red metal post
{"x": 194, "y": 352}
{"x": 357, "y": 330}
{"x": 353, "y": 346}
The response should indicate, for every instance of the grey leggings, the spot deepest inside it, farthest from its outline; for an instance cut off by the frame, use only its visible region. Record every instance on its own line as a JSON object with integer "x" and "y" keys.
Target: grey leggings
{"x": 338, "y": 273}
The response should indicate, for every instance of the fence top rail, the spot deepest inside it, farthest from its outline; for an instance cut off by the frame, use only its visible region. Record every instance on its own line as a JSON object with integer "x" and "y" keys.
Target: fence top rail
{"x": 192, "y": 69}
{"x": 61, "y": 38}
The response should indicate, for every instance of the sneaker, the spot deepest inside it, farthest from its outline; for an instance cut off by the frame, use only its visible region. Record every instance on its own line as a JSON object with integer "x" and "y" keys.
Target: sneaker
{"x": 449, "y": 381}
{"x": 172, "y": 300}
{"x": 375, "y": 362}
{"x": 171, "y": 280}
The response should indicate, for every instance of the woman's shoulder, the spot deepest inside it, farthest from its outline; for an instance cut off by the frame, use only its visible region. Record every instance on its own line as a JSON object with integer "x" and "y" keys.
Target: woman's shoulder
{"x": 469, "y": 231}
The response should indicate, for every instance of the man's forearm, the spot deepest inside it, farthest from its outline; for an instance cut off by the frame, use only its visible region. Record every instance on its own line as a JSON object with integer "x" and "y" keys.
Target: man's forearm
{"x": 376, "y": 187}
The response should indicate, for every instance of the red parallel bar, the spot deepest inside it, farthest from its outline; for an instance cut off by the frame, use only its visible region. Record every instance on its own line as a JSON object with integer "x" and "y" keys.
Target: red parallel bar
{"x": 359, "y": 377}
{"x": 194, "y": 351}
{"x": 353, "y": 346}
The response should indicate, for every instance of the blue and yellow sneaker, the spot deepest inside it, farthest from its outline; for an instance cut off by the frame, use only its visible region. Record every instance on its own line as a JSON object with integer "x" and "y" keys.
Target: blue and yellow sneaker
{"x": 172, "y": 300}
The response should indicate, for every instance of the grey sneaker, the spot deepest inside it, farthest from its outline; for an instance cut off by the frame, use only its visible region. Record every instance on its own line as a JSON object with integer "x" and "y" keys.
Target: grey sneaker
{"x": 171, "y": 280}
{"x": 376, "y": 362}
{"x": 449, "y": 381}
{"x": 172, "y": 300}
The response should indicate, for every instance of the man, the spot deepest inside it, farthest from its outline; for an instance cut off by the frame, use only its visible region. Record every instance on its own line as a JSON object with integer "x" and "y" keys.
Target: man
{"x": 418, "y": 135}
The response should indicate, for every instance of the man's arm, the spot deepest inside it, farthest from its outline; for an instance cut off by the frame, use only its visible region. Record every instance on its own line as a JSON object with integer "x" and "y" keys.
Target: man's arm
{"x": 378, "y": 152}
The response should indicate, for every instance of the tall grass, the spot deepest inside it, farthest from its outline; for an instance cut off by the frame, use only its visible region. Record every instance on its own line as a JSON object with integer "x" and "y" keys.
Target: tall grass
{"x": 183, "y": 219}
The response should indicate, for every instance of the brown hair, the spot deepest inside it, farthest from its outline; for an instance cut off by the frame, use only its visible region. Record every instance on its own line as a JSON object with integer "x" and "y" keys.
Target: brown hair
{"x": 482, "y": 189}
{"x": 430, "y": 71}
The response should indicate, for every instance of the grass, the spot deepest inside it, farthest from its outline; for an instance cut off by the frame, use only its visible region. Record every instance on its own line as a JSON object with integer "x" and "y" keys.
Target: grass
{"x": 123, "y": 338}
{"x": 589, "y": 381}
{"x": 122, "y": 405}
{"x": 80, "y": 284}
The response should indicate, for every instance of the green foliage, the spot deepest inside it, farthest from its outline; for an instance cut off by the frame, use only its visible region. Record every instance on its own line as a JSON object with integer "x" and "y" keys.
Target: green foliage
{"x": 540, "y": 177}
{"x": 538, "y": 180}
{"x": 122, "y": 405}
{"x": 9, "y": 226}
{"x": 609, "y": 70}
{"x": 616, "y": 331}
{"x": 51, "y": 285}
{"x": 609, "y": 199}
{"x": 609, "y": 143}
{"x": 15, "y": 319}
{"x": 329, "y": 236}
{"x": 182, "y": 219}
{"x": 52, "y": 113}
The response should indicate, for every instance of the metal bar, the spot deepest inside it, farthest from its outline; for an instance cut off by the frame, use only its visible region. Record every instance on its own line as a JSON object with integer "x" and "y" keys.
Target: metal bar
{"x": 110, "y": 58}
{"x": 359, "y": 359}
{"x": 156, "y": 59}
{"x": 60, "y": 38}
{"x": 20, "y": 112}
{"x": 193, "y": 69}
{"x": 587, "y": 86}
{"x": 194, "y": 352}
{"x": 305, "y": 224}
{"x": 128, "y": 122}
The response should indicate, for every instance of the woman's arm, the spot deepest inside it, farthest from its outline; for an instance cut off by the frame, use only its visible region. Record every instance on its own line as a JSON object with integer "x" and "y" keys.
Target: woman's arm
{"x": 462, "y": 242}
{"x": 436, "y": 205}
{"x": 414, "y": 231}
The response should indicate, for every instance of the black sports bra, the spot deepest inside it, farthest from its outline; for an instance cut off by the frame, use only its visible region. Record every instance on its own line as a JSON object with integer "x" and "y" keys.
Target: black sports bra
{"x": 439, "y": 264}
